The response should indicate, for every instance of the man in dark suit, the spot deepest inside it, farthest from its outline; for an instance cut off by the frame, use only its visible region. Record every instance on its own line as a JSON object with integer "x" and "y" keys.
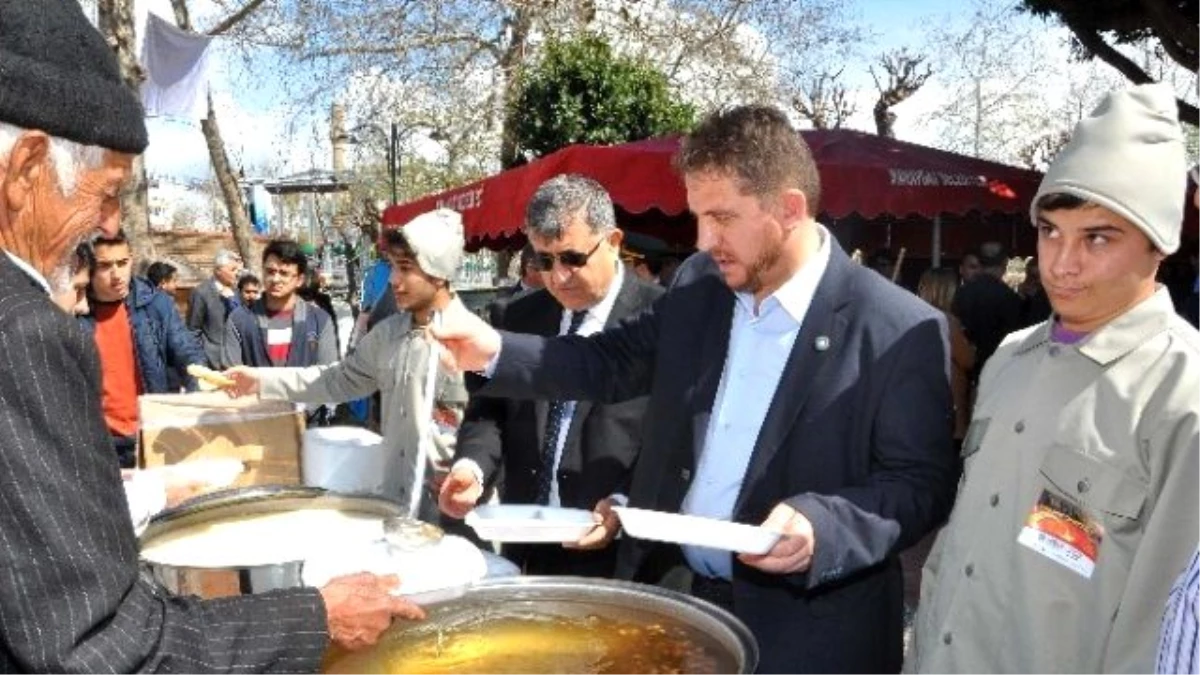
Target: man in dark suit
{"x": 788, "y": 387}
{"x": 572, "y": 454}
{"x": 987, "y": 307}
{"x": 211, "y": 302}
{"x": 72, "y": 598}
{"x": 531, "y": 280}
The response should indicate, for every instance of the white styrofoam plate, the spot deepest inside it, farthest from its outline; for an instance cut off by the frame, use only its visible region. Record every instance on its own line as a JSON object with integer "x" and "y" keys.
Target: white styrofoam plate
{"x": 529, "y": 523}
{"x": 434, "y": 573}
{"x": 695, "y": 531}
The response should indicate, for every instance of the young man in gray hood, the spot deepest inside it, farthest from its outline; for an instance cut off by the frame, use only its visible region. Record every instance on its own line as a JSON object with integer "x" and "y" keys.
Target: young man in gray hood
{"x": 1078, "y": 504}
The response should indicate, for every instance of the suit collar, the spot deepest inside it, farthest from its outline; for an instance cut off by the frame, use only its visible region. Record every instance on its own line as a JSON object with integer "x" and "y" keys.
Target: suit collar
{"x": 30, "y": 272}
{"x": 625, "y": 302}
{"x": 1116, "y": 338}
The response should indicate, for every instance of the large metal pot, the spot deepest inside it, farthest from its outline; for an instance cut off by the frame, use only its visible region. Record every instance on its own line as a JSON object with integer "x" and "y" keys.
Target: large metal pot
{"x": 213, "y": 582}
{"x": 553, "y": 597}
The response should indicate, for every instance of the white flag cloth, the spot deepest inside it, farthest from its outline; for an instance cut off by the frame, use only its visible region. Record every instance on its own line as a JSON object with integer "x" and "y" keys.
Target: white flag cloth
{"x": 176, "y": 64}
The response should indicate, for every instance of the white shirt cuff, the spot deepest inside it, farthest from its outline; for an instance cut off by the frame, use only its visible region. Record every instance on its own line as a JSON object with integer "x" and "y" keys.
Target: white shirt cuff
{"x": 472, "y": 465}
{"x": 146, "y": 494}
{"x": 619, "y": 499}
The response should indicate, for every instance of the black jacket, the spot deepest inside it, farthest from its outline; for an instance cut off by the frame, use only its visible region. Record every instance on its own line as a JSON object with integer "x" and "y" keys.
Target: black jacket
{"x": 71, "y": 596}
{"x": 857, "y": 438}
{"x": 988, "y": 310}
{"x": 600, "y": 449}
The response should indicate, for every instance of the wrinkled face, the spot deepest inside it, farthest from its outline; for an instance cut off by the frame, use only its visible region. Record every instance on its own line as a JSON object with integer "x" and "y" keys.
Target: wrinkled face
{"x": 114, "y": 267}
{"x": 1094, "y": 265}
{"x": 250, "y": 293}
{"x": 45, "y": 225}
{"x": 72, "y": 297}
{"x": 227, "y": 274}
{"x": 281, "y": 280}
{"x": 578, "y": 267}
{"x": 969, "y": 267}
{"x": 413, "y": 289}
{"x": 743, "y": 234}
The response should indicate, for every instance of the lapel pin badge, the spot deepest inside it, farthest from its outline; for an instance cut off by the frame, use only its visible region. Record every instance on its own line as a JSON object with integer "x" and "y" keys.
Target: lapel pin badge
{"x": 821, "y": 343}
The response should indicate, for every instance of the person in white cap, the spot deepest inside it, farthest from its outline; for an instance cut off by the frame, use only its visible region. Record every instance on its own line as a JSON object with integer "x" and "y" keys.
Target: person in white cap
{"x": 394, "y": 359}
{"x": 1078, "y": 504}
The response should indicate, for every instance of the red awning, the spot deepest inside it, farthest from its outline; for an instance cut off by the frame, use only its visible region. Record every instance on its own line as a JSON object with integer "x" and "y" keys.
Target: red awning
{"x": 861, "y": 174}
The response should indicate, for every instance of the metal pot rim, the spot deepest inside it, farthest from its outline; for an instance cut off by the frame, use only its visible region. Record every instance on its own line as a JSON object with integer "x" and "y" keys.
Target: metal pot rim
{"x": 265, "y": 499}
{"x": 736, "y": 630}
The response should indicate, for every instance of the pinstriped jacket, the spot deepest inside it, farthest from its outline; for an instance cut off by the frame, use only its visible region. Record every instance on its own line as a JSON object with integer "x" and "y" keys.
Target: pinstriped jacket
{"x": 72, "y": 598}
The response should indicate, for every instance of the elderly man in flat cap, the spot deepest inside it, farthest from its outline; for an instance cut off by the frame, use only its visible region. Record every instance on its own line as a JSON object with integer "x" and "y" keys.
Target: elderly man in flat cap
{"x": 71, "y": 595}
{"x": 1078, "y": 503}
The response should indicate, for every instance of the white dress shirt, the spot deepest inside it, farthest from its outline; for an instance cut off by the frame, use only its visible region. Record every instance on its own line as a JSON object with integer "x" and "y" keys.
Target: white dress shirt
{"x": 593, "y": 322}
{"x": 759, "y": 346}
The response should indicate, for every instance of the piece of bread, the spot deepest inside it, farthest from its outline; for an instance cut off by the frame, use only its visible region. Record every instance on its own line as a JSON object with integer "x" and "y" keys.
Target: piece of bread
{"x": 210, "y": 376}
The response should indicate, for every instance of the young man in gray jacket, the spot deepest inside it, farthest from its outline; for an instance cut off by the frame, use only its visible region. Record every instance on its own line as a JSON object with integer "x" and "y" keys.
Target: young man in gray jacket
{"x": 394, "y": 359}
{"x": 1078, "y": 504}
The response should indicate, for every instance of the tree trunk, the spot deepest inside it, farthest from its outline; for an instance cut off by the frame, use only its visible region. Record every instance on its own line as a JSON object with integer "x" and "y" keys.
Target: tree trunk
{"x": 885, "y": 120}
{"x": 231, "y": 191}
{"x": 511, "y": 64}
{"x": 116, "y": 24}
{"x": 239, "y": 221}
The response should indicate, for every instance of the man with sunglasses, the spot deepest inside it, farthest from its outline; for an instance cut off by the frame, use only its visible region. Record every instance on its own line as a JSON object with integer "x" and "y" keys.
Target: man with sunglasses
{"x": 559, "y": 453}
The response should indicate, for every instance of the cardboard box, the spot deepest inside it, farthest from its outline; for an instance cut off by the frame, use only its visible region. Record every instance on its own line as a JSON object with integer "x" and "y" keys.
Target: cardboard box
{"x": 264, "y": 435}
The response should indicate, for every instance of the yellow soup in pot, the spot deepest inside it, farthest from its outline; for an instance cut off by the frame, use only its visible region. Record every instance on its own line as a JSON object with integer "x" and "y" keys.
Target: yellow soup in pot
{"x": 532, "y": 643}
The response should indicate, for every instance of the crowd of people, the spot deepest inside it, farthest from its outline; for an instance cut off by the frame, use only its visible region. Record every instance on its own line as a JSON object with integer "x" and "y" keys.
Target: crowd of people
{"x": 1048, "y": 438}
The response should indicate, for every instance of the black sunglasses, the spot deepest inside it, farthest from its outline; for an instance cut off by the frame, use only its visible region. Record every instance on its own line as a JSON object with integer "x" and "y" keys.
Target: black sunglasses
{"x": 544, "y": 262}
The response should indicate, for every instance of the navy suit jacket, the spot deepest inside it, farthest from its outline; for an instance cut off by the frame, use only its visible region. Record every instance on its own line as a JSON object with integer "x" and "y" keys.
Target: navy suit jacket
{"x": 857, "y": 438}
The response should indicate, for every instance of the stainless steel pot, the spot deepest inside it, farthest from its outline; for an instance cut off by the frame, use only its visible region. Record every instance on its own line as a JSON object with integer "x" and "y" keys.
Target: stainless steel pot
{"x": 241, "y": 502}
{"x": 574, "y": 597}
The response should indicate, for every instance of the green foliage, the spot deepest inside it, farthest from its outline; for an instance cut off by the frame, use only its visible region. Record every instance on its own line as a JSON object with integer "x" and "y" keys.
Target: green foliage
{"x": 581, "y": 92}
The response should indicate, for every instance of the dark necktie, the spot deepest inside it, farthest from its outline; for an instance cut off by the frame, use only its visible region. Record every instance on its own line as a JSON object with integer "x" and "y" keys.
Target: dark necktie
{"x": 556, "y": 417}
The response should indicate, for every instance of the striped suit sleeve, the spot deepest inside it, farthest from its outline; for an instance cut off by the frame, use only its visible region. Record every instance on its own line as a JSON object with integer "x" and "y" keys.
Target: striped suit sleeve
{"x": 1180, "y": 644}
{"x": 72, "y": 598}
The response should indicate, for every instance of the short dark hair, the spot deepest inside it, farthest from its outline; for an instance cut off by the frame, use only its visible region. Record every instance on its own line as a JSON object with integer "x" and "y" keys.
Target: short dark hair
{"x": 288, "y": 252}
{"x": 991, "y": 255}
{"x": 246, "y": 280}
{"x": 527, "y": 254}
{"x": 1061, "y": 201}
{"x": 159, "y": 271}
{"x": 757, "y": 146}
{"x": 115, "y": 240}
{"x": 85, "y": 257}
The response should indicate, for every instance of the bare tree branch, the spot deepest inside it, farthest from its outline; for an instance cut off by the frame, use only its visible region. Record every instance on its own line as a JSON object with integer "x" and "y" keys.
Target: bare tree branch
{"x": 235, "y": 18}
{"x": 824, "y": 101}
{"x": 1178, "y": 38}
{"x": 904, "y": 78}
{"x": 1096, "y": 44}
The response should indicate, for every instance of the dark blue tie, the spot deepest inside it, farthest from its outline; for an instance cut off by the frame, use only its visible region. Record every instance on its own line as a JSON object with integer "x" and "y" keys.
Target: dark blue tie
{"x": 556, "y": 417}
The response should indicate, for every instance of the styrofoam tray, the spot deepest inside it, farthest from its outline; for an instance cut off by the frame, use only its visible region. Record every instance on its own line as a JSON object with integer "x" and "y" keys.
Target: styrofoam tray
{"x": 529, "y": 523}
{"x": 695, "y": 531}
{"x": 435, "y": 573}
